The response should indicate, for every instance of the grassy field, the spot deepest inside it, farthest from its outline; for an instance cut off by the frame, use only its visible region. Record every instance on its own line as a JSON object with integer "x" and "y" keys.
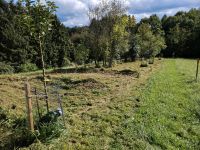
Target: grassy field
{"x": 159, "y": 109}
{"x": 168, "y": 116}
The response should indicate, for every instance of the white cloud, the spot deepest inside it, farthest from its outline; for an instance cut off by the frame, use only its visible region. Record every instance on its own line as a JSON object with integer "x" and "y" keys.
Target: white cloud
{"x": 74, "y": 12}
{"x": 168, "y": 12}
{"x": 140, "y": 6}
{"x": 76, "y": 21}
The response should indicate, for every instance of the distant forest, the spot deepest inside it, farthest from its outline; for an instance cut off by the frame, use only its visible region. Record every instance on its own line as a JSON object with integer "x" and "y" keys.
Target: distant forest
{"x": 112, "y": 35}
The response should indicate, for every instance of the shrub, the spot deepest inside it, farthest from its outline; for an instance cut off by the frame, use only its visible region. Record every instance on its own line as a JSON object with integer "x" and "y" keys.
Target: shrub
{"x": 5, "y": 68}
{"x": 130, "y": 73}
{"x": 151, "y": 61}
{"x": 48, "y": 131}
{"x": 27, "y": 67}
{"x": 144, "y": 64}
{"x": 114, "y": 63}
{"x": 3, "y": 115}
{"x": 66, "y": 62}
{"x": 23, "y": 137}
{"x": 97, "y": 65}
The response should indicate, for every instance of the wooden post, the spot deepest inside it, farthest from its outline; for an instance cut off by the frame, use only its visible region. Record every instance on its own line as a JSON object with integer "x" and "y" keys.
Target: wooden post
{"x": 37, "y": 103}
{"x": 197, "y": 71}
{"x": 29, "y": 106}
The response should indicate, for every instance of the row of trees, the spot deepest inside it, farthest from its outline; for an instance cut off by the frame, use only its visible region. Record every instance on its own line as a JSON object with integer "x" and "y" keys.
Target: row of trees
{"x": 182, "y": 34}
{"x": 111, "y": 35}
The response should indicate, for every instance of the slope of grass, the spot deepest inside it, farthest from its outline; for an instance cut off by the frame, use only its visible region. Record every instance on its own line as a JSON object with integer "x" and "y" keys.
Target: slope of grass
{"x": 169, "y": 114}
{"x": 158, "y": 110}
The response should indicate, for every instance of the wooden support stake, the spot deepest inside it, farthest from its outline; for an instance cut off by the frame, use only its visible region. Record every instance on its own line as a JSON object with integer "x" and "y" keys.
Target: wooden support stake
{"x": 29, "y": 106}
{"x": 197, "y": 71}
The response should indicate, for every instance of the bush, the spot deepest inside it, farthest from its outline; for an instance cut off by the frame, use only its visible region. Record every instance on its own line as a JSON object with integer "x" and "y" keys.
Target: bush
{"x": 48, "y": 131}
{"x": 114, "y": 63}
{"x": 97, "y": 65}
{"x": 3, "y": 115}
{"x": 66, "y": 62}
{"x": 144, "y": 64}
{"x": 27, "y": 67}
{"x": 5, "y": 68}
{"x": 130, "y": 73}
{"x": 151, "y": 61}
{"x": 23, "y": 137}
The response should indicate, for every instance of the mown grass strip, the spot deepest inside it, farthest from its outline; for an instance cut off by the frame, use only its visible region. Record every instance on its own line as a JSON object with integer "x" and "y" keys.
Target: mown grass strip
{"x": 169, "y": 114}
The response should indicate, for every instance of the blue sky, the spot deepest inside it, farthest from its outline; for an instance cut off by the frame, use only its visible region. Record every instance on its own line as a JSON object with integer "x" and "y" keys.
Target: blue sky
{"x": 74, "y": 12}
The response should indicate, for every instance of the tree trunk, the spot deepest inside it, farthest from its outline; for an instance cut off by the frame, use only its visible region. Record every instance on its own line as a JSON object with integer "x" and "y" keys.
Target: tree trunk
{"x": 95, "y": 62}
{"x": 104, "y": 62}
{"x": 125, "y": 59}
{"x": 110, "y": 61}
{"x": 197, "y": 70}
{"x": 85, "y": 66}
{"x": 112, "y": 54}
{"x": 44, "y": 74}
{"x": 132, "y": 59}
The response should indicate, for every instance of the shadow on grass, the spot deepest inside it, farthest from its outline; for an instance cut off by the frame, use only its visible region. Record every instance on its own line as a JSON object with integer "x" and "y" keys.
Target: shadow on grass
{"x": 191, "y": 81}
{"x": 126, "y": 72}
{"x": 78, "y": 70}
{"x": 84, "y": 83}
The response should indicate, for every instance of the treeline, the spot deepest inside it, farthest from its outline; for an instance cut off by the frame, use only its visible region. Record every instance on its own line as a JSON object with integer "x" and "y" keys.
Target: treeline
{"x": 112, "y": 35}
{"x": 18, "y": 47}
{"x": 182, "y": 34}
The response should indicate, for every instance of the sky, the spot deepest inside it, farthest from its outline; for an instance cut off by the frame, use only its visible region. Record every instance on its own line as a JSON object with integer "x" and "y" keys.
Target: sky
{"x": 74, "y": 12}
